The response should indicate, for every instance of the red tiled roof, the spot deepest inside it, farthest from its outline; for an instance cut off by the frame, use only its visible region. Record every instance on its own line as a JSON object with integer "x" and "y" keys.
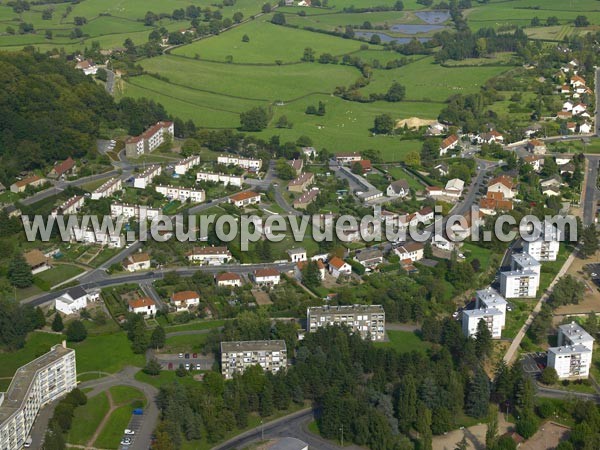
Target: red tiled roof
{"x": 243, "y": 196}
{"x": 183, "y": 296}
{"x": 64, "y": 166}
{"x": 141, "y": 302}
{"x": 336, "y": 262}
{"x": 267, "y": 272}
{"x": 228, "y": 276}
{"x": 449, "y": 141}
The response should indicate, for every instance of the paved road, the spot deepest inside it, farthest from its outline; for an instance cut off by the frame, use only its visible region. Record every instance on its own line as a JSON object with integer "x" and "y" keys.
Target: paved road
{"x": 560, "y": 394}
{"x": 597, "y": 88}
{"x": 294, "y": 425}
{"x": 105, "y": 280}
{"x": 110, "y": 81}
{"x": 591, "y": 191}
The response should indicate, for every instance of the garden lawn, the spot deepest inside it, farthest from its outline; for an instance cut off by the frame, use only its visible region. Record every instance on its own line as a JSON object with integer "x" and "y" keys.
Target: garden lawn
{"x": 111, "y": 434}
{"x": 37, "y": 344}
{"x": 87, "y": 418}
{"x": 404, "y": 341}
{"x": 125, "y": 395}
{"x": 191, "y": 343}
{"x": 198, "y": 325}
{"x": 400, "y": 174}
{"x": 58, "y": 274}
{"x": 165, "y": 377}
{"x": 105, "y": 353}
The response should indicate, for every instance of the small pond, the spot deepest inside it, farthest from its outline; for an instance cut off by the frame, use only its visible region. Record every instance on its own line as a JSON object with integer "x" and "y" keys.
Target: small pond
{"x": 414, "y": 29}
{"x": 433, "y": 17}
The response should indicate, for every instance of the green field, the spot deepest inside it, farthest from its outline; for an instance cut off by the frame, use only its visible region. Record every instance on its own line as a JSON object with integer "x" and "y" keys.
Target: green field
{"x": 126, "y": 395}
{"x": 404, "y": 341}
{"x": 113, "y": 430}
{"x": 37, "y": 344}
{"x": 165, "y": 377}
{"x": 197, "y": 325}
{"x": 87, "y": 418}
{"x": 186, "y": 343}
{"x": 105, "y": 353}
{"x": 58, "y": 274}
{"x": 260, "y": 49}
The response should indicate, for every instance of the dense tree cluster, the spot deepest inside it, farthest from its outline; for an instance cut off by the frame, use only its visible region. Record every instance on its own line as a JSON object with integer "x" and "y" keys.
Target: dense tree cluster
{"x": 16, "y": 321}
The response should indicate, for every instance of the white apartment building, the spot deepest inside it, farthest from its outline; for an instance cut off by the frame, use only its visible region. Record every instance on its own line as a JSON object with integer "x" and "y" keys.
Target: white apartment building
{"x": 107, "y": 189}
{"x": 75, "y": 299}
{"x": 133, "y": 211}
{"x": 237, "y": 356}
{"x": 186, "y": 164}
{"x": 209, "y": 255}
{"x": 150, "y": 139}
{"x": 142, "y": 180}
{"x": 224, "y": 178}
{"x": 544, "y": 248}
{"x": 490, "y": 298}
{"x": 182, "y": 194}
{"x": 491, "y": 316}
{"x": 34, "y": 385}
{"x": 572, "y": 358}
{"x": 98, "y": 238}
{"x": 240, "y": 161}
{"x": 367, "y": 320}
{"x": 71, "y": 206}
{"x": 523, "y": 280}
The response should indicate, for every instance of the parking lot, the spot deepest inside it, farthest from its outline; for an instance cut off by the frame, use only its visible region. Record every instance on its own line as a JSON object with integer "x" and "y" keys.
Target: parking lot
{"x": 190, "y": 361}
{"x": 134, "y": 425}
{"x": 534, "y": 363}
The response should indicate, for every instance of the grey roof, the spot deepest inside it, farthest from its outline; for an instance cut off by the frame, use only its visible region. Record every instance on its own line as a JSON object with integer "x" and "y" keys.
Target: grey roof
{"x": 491, "y": 297}
{"x": 575, "y": 332}
{"x": 525, "y": 260}
{"x": 253, "y": 346}
{"x": 77, "y": 292}
{"x": 345, "y": 309}
{"x": 369, "y": 253}
{"x": 288, "y": 443}
{"x": 520, "y": 273}
{"x": 570, "y": 349}
{"x": 295, "y": 251}
{"x": 399, "y": 185}
{"x": 482, "y": 312}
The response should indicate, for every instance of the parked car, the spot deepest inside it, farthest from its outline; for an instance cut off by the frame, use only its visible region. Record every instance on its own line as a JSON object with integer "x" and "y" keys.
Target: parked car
{"x": 125, "y": 441}
{"x": 181, "y": 355}
{"x": 195, "y": 355}
{"x": 187, "y": 356}
{"x": 128, "y": 431}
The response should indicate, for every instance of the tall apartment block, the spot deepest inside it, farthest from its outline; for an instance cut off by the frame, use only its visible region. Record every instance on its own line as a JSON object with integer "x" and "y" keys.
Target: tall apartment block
{"x": 35, "y": 384}
{"x": 573, "y": 356}
{"x": 546, "y": 247}
{"x": 237, "y": 356}
{"x": 523, "y": 280}
{"x": 490, "y": 307}
{"x": 367, "y": 320}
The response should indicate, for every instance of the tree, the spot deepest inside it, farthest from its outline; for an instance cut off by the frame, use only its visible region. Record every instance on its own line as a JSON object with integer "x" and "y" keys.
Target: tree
{"x": 581, "y": 21}
{"x": 589, "y": 241}
{"x": 527, "y": 424}
{"x": 19, "y": 272}
{"x": 568, "y": 290}
{"x": 158, "y": 338}
{"x": 395, "y": 93}
{"x": 152, "y": 367}
{"x": 478, "y": 394}
{"x": 283, "y": 122}
{"x": 424, "y": 428}
{"x": 549, "y": 376}
{"x": 383, "y": 124}
{"x": 266, "y": 8}
{"x": 76, "y": 331}
{"x": 430, "y": 150}
{"x": 284, "y": 170}
{"x": 255, "y": 119}
{"x": 57, "y": 323}
{"x": 492, "y": 426}
{"x": 406, "y": 406}
{"x": 278, "y": 19}
{"x": 311, "y": 276}
{"x": 79, "y": 21}
{"x": 591, "y": 324}
{"x": 101, "y": 74}
{"x": 309, "y": 55}
{"x": 238, "y": 17}
{"x": 40, "y": 318}
{"x": 245, "y": 38}
{"x": 483, "y": 340}
{"x": 375, "y": 39}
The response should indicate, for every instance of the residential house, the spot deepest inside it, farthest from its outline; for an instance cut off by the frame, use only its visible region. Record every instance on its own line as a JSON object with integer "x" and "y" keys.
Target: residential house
{"x": 87, "y": 66}
{"x": 301, "y": 183}
{"x": 337, "y": 267}
{"x": 2, "y": 188}
{"x": 568, "y": 106}
{"x": 144, "y": 306}
{"x": 183, "y": 300}
{"x": 442, "y": 169}
{"x": 545, "y": 247}
{"x": 551, "y": 191}
{"x": 309, "y": 152}
{"x": 491, "y": 317}
{"x": 585, "y": 128}
{"x": 566, "y": 168}
{"x": 366, "y": 165}
{"x": 411, "y": 250}
{"x": 297, "y": 254}
{"x": 242, "y": 199}
{"x": 463, "y": 228}
{"x": 267, "y": 277}
{"x": 37, "y": 261}
{"x": 434, "y": 191}
{"x": 209, "y": 255}
{"x": 182, "y": 194}
{"x": 577, "y": 81}
{"x": 535, "y": 161}
{"x": 443, "y": 242}
{"x": 247, "y": 163}
{"x": 348, "y": 157}
{"x": 182, "y": 167}
{"x": 454, "y": 188}
{"x": 70, "y": 206}
{"x": 579, "y": 108}
{"x": 138, "y": 212}
{"x": 224, "y": 178}
{"x": 137, "y": 261}
{"x": 494, "y": 202}
{"x": 370, "y": 257}
{"x": 536, "y": 147}
{"x": 564, "y": 115}
{"x": 398, "y": 188}
{"x": 491, "y": 137}
{"x": 306, "y": 199}
{"x": 565, "y": 89}
{"x": 89, "y": 236}
{"x": 571, "y": 127}
{"x": 450, "y": 143}
{"x": 504, "y": 185}
{"x": 150, "y": 139}
{"x": 436, "y": 129}
{"x": 21, "y": 185}
{"x": 228, "y": 279}
{"x": 64, "y": 168}
{"x": 12, "y": 211}
{"x": 75, "y": 299}
{"x": 424, "y": 215}
{"x": 144, "y": 179}
{"x": 297, "y": 165}
{"x": 107, "y": 189}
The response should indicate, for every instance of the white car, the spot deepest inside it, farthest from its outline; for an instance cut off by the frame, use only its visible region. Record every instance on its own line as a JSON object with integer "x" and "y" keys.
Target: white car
{"x": 125, "y": 441}
{"x": 128, "y": 431}
{"x": 455, "y": 314}
{"x": 181, "y": 355}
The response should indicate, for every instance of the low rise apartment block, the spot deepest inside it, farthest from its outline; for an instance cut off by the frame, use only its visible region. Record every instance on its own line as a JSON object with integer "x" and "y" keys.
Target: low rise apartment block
{"x": 209, "y": 255}
{"x": 490, "y": 307}
{"x": 301, "y": 183}
{"x": 139, "y": 212}
{"x": 544, "y": 248}
{"x": 144, "y": 179}
{"x": 523, "y": 280}
{"x": 366, "y": 320}
{"x": 71, "y": 206}
{"x": 237, "y": 356}
{"x": 88, "y": 236}
{"x": 150, "y": 139}
{"x": 182, "y": 193}
{"x": 107, "y": 189}
{"x": 21, "y": 185}
{"x": 224, "y": 178}
{"x": 182, "y": 167}
{"x": 34, "y": 385}
{"x": 240, "y": 161}
{"x": 306, "y": 199}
